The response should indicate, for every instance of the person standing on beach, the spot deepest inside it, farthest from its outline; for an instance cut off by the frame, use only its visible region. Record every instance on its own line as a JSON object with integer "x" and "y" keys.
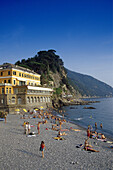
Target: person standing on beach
{"x": 29, "y": 127}
{"x": 95, "y": 125}
{"x": 38, "y": 128}
{"x": 42, "y": 148}
{"x": 5, "y": 117}
{"x": 26, "y": 128}
{"x": 101, "y": 126}
{"x": 88, "y": 133}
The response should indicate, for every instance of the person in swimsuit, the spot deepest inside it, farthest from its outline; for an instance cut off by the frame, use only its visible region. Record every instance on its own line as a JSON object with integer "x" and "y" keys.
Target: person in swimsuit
{"x": 88, "y": 133}
{"x": 38, "y": 127}
{"x": 42, "y": 147}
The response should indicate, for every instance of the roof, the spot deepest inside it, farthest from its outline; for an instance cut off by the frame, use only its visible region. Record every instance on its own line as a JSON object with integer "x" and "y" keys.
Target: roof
{"x": 13, "y": 66}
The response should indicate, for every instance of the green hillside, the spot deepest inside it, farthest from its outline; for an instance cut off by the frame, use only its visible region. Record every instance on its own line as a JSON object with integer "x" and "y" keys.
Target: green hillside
{"x": 88, "y": 85}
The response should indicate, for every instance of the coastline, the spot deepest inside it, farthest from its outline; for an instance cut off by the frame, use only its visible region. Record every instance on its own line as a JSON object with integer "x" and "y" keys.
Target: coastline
{"x": 21, "y": 152}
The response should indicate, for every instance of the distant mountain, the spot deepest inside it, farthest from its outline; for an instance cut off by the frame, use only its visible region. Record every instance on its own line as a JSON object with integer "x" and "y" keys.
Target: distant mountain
{"x": 89, "y": 86}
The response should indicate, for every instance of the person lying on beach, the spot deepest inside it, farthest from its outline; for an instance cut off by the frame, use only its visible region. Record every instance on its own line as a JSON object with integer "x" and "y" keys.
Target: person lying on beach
{"x": 61, "y": 134}
{"x": 100, "y": 136}
{"x": 88, "y": 147}
{"x": 54, "y": 127}
{"x": 86, "y": 144}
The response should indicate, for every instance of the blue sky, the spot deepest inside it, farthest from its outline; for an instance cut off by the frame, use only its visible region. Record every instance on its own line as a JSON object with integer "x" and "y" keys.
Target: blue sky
{"x": 81, "y": 32}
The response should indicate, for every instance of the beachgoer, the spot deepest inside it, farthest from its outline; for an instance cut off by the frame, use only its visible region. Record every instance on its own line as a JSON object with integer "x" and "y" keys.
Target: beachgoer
{"x": 42, "y": 147}
{"x": 60, "y": 124}
{"x": 26, "y": 128}
{"x": 24, "y": 125}
{"x": 101, "y": 126}
{"x": 59, "y": 134}
{"x": 29, "y": 127}
{"x": 103, "y": 136}
{"x": 95, "y": 125}
{"x": 88, "y": 147}
{"x": 5, "y": 117}
{"x": 88, "y": 133}
{"x": 86, "y": 144}
{"x": 38, "y": 127}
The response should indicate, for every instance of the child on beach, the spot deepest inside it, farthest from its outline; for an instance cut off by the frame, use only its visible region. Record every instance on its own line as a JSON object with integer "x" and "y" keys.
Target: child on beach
{"x": 42, "y": 147}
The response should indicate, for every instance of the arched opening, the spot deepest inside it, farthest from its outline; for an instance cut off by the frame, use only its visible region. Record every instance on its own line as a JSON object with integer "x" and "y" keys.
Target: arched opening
{"x": 13, "y": 100}
{"x": 19, "y": 100}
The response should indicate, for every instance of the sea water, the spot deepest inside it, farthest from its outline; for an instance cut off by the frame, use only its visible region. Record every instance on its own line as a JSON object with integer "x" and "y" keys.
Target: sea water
{"x": 103, "y": 113}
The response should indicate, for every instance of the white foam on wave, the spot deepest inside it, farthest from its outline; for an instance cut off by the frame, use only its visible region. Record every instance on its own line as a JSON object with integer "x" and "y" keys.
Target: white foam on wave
{"x": 79, "y": 118}
{"x": 59, "y": 115}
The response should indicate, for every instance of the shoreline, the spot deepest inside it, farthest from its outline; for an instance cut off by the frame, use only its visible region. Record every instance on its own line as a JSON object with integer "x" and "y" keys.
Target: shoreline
{"x": 21, "y": 152}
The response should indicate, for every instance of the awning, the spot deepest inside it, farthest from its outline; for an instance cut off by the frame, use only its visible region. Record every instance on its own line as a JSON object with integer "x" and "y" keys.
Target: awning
{"x": 39, "y": 88}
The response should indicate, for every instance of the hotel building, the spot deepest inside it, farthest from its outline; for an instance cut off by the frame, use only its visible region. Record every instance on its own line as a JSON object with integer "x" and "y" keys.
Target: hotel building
{"x": 20, "y": 88}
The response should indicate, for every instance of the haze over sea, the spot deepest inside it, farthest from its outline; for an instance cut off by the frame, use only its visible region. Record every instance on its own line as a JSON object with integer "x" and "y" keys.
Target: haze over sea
{"x": 84, "y": 117}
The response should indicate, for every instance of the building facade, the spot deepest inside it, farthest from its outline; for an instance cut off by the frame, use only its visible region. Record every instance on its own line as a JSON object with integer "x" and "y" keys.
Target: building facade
{"x": 20, "y": 88}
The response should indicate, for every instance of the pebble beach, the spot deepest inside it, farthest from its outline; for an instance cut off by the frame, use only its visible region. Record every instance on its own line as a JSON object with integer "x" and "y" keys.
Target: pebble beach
{"x": 20, "y": 152}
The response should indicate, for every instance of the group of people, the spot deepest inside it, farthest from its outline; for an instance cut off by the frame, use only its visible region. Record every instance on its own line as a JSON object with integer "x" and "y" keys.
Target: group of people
{"x": 93, "y": 134}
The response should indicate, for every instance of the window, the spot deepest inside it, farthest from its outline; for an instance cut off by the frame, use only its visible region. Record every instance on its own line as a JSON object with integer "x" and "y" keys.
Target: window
{"x": 41, "y": 99}
{"x": 6, "y": 90}
{"x": 14, "y": 82}
{"x": 20, "y": 74}
{"x": 9, "y": 100}
{"x": 13, "y": 100}
{"x": 2, "y": 101}
{"x": 31, "y": 99}
{"x": 35, "y": 100}
{"x": 14, "y": 72}
{"x": 4, "y": 81}
{"x": 8, "y": 72}
{"x": 19, "y": 100}
{"x": 10, "y": 90}
{"x": 1, "y": 73}
{"x": 28, "y": 100}
{"x": 2, "y": 90}
{"x": 9, "y": 81}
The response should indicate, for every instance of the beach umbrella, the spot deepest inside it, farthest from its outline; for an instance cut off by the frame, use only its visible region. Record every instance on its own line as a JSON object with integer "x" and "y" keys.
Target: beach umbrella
{"x": 41, "y": 107}
{"x": 24, "y": 110}
{"x": 36, "y": 109}
{"x": 17, "y": 110}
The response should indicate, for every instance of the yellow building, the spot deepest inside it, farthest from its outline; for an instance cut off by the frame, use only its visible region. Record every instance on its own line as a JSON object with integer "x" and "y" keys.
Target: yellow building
{"x": 20, "y": 87}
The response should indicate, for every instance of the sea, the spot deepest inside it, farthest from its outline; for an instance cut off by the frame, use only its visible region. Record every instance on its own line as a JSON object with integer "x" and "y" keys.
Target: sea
{"x": 103, "y": 113}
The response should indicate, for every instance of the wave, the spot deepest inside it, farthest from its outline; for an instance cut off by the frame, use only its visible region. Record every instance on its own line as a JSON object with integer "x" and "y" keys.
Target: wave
{"x": 79, "y": 118}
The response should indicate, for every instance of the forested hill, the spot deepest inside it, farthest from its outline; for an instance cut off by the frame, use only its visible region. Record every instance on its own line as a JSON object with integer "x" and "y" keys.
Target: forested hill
{"x": 89, "y": 86}
{"x": 53, "y": 73}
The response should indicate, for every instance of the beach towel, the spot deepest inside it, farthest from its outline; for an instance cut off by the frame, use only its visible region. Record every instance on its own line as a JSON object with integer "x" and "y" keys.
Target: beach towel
{"x": 77, "y": 130}
{"x": 64, "y": 130}
{"x": 58, "y": 138}
{"x": 103, "y": 140}
{"x": 78, "y": 146}
{"x": 31, "y": 135}
{"x": 109, "y": 141}
{"x": 32, "y": 125}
